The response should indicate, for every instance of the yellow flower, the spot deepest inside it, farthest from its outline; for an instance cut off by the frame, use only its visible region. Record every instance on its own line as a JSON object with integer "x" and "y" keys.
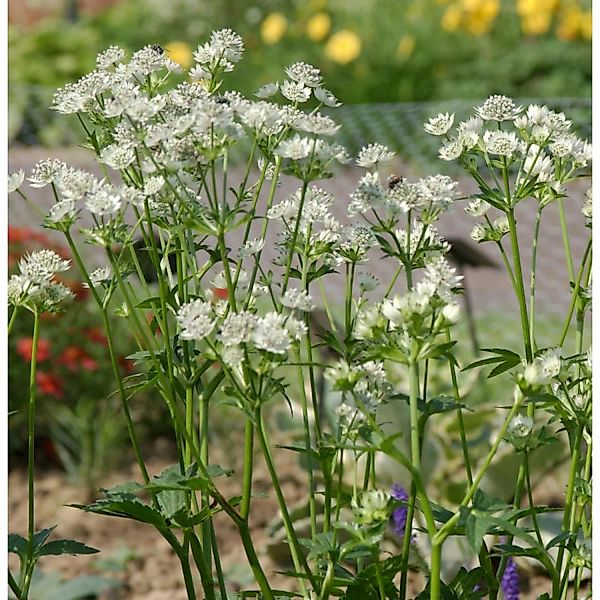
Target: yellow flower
{"x": 452, "y": 18}
{"x": 570, "y": 22}
{"x": 343, "y": 46}
{"x": 181, "y": 53}
{"x": 586, "y": 25}
{"x": 406, "y": 46}
{"x": 273, "y": 28}
{"x": 537, "y": 23}
{"x": 318, "y": 26}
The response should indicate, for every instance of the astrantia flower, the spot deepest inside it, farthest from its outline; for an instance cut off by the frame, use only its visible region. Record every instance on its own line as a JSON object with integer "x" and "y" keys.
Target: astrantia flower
{"x": 40, "y": 266}
{"x": 295, "y": 148}
{"x": 298, "y": 299}
{"x": 100, "y": 276}
{"x": 252, "y": 247}
{"x": 477, "y": 207}
{"x": 451, "y": 150}
{"x": 15, "y": 180}
{"x": 498, "y": 108}
{"x": 195, "y": 320}
{"x": 371, "y": 507}
{"x": 267, "y": 90}
{"x": 304, "y": 74}
{"x": 502, "y": 143}
{"x": 110, "y": 57}
{"x": 46, "y": 171}
{"x": 227, "y": 43}
{"x": 271, "y": 334}
{"x": 296, "y": 328}
{"x": 318, "y": 124}
{"x": 440, "y": 124}
{"x": 118, "y": 157}
{"x": 105, "y": 202}
{"x": 237, "y": 328}
{"x": 369, "y": 194}
{"x": 326, "y": 97}
{"x": 587, "y": 208}
{"x": 374, "y": 154}
{"x": 295, "y": 92}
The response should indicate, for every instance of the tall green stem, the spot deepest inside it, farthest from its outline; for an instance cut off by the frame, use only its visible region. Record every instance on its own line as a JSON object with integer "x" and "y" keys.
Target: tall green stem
{"x": 28, "y": 566}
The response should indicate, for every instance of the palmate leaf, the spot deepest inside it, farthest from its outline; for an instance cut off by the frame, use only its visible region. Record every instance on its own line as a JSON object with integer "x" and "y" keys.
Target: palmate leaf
{"x": 365, "y": 585}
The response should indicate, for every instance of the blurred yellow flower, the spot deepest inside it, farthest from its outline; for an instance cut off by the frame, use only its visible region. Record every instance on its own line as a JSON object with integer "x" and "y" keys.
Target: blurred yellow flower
{"x": 452, "y": 18}
{"x": 537, "y": 23}
{"x": 273, "y": 28}
{"x": 343, "y": 46}
{"x": 406, "y": 46}
{"x": 586, "y": 25}
{"x": 318, "y": 26}
{"x": 181, "y": 53}
{"x": 569, "y": 24}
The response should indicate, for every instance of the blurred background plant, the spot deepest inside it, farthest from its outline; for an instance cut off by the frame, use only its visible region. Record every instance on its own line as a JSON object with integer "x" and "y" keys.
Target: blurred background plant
{"x": 369, "y": 51}
{"x": 78, "y": 420}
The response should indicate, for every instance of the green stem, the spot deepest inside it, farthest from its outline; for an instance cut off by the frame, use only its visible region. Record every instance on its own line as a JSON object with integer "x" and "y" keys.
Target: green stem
{"x": 11, "y": 322}
{"x": 295, "y": 549}
{"x": 573, "y": 473}
{"x": 565, "y": 237}
{"x": 379, "y": 574}
{"x": 436, "y": 571}
{"x": 534, "y": 519}
{"x": 248, "y": 468}
{"x": 575, "y": 293}
{"x": 534, "y": 246}
{"x": 31, "y": 457}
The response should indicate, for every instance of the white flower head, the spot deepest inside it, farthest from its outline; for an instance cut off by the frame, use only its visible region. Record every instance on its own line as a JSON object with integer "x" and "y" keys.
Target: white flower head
{"x": 477, "y": 207}
{"x": 502, "y": 143}
{"x": 237, "y": 328}
{"x": 297, "y": 299}
{"x": 271, "y": 334}
{"x": 104, "y": 202}
{"x": 46, "y": 171}
{"x": 100, "y": 276}
{"x": 373, "y": 155}
{"x": 251, "y": 247}
{"x": 304, "y": 74}
{"x": 267, "y": 91}
{"x": 520, "y": 427}
{"x": 451, "y": 150}
{"x": 498, "y": 108}
{"x": 15, "y": 180}
{"x": 195, "y": 320}
{"x": 326, "y": 97}
{"x": 295, "y": 92}
{"x": 109, "y": 57}
{"x": 63, "y": 210}
{"x": 295, "y": 148}
{"x": 40, "y": 266}
{"x": 440, "y": 124}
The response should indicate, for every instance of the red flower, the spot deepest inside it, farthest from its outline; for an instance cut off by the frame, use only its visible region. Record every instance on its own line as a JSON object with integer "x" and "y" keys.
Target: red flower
{"x": 96, "y": 335}
{"x": 74, "y": 357}
{"x": 25, "y": 346}
{"x": 49, "y": 384}
{"x": 221, "y": 293}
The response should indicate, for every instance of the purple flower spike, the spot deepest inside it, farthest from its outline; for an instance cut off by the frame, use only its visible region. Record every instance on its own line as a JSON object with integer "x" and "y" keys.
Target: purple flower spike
{"x": 399, "y": 514}
{"x": 510, "y": 581}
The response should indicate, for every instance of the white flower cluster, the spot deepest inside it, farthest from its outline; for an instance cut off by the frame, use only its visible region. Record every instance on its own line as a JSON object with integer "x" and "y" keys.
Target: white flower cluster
{"x": 35, "y": 284}
{"x": 430, "y": 195}
{"x": 273, "y": 332}
{"x": 535, "y": 128}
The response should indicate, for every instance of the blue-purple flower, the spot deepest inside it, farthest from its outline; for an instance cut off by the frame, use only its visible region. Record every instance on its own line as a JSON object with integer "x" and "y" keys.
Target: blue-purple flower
{"x": 510, "y": 581}
{"x": 399, "y": 514}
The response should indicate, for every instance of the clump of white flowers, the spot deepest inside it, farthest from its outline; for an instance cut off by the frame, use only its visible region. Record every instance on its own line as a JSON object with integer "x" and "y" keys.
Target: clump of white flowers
{"x": 35, "y": 286}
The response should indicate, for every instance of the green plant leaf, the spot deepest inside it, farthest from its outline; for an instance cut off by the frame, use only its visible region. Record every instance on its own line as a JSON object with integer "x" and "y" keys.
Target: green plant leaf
{"x": 17, "y": 545}
{"x": 58, "y": 547}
